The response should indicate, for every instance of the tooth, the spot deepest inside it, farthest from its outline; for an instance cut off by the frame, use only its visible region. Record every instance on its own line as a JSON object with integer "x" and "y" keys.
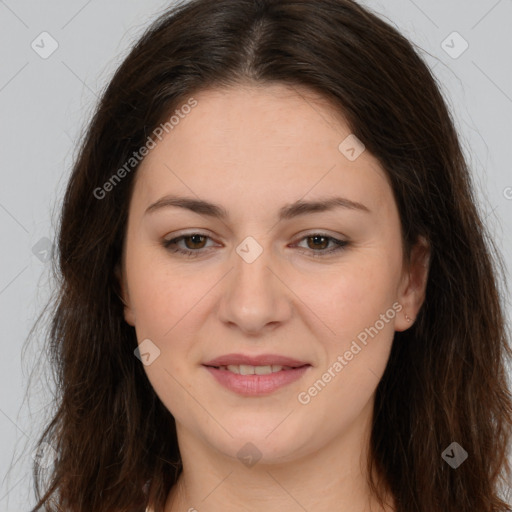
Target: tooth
{"x": 262, "y": 370}
{"x": 246, "y": 369}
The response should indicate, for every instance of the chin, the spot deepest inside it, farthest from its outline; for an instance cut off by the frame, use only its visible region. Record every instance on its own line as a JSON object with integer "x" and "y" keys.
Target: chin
{"x": 269, "y": 444}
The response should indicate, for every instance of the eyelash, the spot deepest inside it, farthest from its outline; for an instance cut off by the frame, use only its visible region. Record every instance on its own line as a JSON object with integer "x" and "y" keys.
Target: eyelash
{"x": 340, "y": 245}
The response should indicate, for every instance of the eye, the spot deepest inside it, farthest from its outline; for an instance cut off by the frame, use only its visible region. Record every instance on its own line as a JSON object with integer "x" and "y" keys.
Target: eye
{"x": 317, "y": 242}
{"x": 195, "y": 243}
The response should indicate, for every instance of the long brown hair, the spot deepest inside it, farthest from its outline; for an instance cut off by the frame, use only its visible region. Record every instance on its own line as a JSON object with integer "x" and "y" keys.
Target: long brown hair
{"x": 446, "y": 378}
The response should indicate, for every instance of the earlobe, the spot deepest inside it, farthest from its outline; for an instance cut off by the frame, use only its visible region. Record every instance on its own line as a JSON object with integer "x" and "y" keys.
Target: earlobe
{"x": 414, "y": 284}
{"x": 123, "y": 295}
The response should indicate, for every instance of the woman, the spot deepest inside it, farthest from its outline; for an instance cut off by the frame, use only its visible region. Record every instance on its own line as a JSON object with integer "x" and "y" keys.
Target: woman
{"x": 277, "y": 291}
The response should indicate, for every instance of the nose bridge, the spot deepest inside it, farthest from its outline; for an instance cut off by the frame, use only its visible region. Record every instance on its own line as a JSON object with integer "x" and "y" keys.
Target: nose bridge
{"x": 254, "y": 297}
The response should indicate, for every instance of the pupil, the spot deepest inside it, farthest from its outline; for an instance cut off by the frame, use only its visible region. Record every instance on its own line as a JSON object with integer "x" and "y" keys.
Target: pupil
{"x": 316, "y": 239}
{"x": 194, "y": 239}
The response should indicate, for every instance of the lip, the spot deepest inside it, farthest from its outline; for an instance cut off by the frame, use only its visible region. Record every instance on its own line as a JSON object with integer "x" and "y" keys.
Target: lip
{"x": 259, "y": 360}
{"x": 256, "y": 385}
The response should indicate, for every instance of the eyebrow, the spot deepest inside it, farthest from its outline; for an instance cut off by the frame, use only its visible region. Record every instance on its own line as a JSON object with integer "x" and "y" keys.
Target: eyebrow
{"x": 287, "y": 212}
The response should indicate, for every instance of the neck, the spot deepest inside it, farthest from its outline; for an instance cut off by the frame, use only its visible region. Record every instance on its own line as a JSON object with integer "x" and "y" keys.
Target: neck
{"x": 333, "y": 477}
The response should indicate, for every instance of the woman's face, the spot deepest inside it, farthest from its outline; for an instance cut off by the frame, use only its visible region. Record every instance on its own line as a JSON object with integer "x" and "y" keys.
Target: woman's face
{"x": 267, "y": 282}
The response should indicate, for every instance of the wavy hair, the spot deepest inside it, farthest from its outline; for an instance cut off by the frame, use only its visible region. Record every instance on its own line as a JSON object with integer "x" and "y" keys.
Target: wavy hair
{"x": 446, "y": 378}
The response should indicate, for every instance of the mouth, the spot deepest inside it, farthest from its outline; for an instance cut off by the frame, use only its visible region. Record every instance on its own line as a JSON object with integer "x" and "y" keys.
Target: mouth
{"x": 246, "y": 369}
{"x": 255, "y": 376}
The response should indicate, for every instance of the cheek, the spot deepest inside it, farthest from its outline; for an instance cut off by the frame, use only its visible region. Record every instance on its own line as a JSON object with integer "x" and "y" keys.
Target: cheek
{"x": 156, "y": 296}
{"x": 356, "y": 355}
{"x": 354, "y": 295}
{"x": 356, "y": 303}
{"x": 363, "y": 317}
{"x": 164, "y": 313}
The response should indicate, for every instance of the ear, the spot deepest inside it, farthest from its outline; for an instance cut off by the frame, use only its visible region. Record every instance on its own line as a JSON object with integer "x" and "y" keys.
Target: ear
{"x": 411, "y": 293}
{"x": 129, "y": 314}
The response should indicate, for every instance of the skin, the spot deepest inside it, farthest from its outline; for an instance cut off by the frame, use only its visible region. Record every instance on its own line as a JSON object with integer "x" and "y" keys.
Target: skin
{"x": 252, "y": 150}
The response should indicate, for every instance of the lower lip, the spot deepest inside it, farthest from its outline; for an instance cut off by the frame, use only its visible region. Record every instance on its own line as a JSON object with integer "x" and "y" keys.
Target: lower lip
{"x": 254, "y": 385}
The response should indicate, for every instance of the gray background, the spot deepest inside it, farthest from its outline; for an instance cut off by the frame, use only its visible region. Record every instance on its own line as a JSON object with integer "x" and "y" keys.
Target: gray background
{"x": 45, "y": 103}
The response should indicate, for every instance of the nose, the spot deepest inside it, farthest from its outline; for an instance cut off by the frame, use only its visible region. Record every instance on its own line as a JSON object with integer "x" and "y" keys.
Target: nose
{"x": 255, "y": 298}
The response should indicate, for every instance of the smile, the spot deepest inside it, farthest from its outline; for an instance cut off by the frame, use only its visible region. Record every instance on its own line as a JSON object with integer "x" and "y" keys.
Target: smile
{"x": 250, "y": 380}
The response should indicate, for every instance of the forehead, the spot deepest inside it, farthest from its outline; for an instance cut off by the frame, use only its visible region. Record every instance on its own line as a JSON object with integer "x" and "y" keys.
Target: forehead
{"x": 260, "y": 143}
{"x": 288, "y": 121}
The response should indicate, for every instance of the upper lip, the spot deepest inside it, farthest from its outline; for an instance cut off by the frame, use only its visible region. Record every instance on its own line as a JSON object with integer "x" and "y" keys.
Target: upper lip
{"x": 260, "y": 360}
